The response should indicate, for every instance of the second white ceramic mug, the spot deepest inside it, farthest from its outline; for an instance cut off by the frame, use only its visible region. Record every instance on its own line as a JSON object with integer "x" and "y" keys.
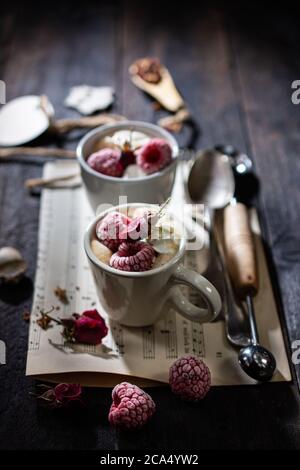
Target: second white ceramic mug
{"x": 140, "y": 298}
{"x": 103, "y": 189}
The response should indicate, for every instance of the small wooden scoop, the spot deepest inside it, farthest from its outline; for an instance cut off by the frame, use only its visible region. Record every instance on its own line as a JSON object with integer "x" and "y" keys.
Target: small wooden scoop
{"x": 154, "y": 78}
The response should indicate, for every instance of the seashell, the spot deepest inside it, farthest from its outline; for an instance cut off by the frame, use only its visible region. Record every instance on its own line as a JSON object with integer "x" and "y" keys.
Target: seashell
{"x": 88, "y": 99}
{"x": 12, "y": 264}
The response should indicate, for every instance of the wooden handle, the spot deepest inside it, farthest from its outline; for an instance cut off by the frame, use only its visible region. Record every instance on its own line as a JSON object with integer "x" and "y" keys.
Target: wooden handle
{"x": 240, "y": 251}
{"x": 66, "y": 125}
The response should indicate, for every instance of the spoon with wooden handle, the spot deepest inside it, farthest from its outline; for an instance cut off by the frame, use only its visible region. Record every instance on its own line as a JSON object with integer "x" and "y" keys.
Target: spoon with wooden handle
{"x": 255, "y": 360}
{"x": 154, "y": 78}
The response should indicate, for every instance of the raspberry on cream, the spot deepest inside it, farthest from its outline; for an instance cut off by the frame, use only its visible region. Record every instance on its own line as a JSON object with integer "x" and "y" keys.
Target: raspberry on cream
{"x": 108, "y": 229}
{"x": 154, "y": 156}
{"x": 137, "y": 256}
{"x": 143, "y": 157}
{"x": 107, "y": 161}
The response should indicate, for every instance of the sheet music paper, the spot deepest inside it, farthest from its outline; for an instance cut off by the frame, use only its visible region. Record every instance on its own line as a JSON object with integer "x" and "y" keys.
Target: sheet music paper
{"x": 144, "y": 353}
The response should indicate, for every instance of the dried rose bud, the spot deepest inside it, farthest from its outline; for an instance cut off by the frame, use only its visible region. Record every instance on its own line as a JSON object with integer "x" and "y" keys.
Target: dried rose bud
{"x": 89, "y": 327}
{"x": 65, "y": 393}
{"x": 62, "y": 395}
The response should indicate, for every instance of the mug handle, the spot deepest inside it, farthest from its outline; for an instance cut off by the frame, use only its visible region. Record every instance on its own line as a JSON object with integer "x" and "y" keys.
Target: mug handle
{"x": 207, "y": 291}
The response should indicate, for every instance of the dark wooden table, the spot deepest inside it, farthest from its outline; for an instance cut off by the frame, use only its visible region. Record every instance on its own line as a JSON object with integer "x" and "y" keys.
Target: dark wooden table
{"x": 235, "y": 68}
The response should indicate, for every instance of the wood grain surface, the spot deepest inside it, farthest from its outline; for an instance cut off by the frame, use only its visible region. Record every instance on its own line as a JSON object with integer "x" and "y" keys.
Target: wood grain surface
{"x": 234, "y": 67}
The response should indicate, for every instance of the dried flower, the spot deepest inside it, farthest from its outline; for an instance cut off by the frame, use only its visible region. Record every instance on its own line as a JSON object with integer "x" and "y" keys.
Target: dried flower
{"x": 61, "y": 395}
{"x": 45, "y": 320}
{"x": 89, "y": 327}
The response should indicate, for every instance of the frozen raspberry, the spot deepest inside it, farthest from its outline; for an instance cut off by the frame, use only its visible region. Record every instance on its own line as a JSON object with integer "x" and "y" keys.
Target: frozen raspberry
{"x": 131, "y": 407}
{"x": 138, "y": 228}
{"x": 154, "y": 156}
{"x": 190, "y": 378}
{"x": 109, "y": 228}
{"x": 107, "y": 161}
{"x": 137, "y": 256}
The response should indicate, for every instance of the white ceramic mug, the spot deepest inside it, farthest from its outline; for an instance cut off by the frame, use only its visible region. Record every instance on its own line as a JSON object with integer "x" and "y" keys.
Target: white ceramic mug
{"x": 140, "y": 298}
{"x": 102, "y": 189}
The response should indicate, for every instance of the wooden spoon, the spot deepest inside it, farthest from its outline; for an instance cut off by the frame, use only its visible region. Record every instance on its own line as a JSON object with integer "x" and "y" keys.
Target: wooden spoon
{"x": 164, "y": 90}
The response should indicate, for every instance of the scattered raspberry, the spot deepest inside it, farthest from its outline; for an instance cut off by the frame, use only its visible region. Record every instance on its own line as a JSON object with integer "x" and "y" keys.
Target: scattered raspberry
{"x": 137, "y": 256}
{"x": 107, "y": 161}
{"x": 131, "y": 407}
{"x": 190, "y": 378}
{"x": 154, "y": 156}
{"x": 109, "y": 228}
{"x": 138, "y": 228}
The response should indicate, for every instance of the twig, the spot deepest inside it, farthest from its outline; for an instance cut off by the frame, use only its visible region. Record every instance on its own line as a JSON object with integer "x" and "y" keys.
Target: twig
{"x": 61, "y": 126}
{"x": 175, "y": 123}
{"x": 39, "y": 182}
{"x": 6, "y": 152}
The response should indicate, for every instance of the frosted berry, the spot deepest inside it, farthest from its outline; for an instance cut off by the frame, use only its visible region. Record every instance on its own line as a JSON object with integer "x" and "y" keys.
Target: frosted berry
{"x": 138, "y": 228}
{"x": 131, "y": 407}
{"x": 154, "y": 156}
{"x": 133, "y": 256}
{"x": 189, "y": 378}
{"x": 109, "y": 228}
{"x": 107, "y": 161}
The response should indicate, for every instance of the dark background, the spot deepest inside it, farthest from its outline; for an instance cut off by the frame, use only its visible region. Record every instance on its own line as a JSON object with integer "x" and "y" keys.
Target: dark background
{"x": 234, "y": 65}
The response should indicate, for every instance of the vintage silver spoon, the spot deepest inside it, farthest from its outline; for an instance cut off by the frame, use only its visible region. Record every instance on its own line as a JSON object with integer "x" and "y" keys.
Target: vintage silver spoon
{"x": 211, "y": 183}
{"x": 255, "y": 360}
